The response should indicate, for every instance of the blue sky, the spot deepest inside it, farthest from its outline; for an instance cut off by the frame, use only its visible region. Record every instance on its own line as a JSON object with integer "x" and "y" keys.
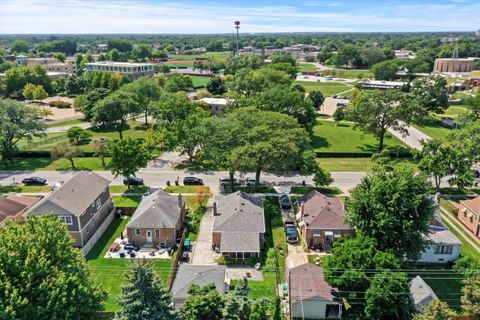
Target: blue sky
{"x": 156, "y": 16}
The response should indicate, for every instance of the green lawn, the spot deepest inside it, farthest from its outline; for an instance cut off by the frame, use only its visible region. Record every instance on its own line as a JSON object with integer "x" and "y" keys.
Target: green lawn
{"x": 28, "y": 189}
{"x": 196, "y": 206}
{"x": 454, "y": 111}
{"x": 329, "y": 137}
{"x": 359, "y": 164}
{"x": 353, "y": 74}
{"x": 212, "y": 55}
{"x": 47, "y": 164}
{"x": 124, "y": 189}
{"x": 327, "y": 88}
{"x": 66, "y": 123}
{"x": 188, "y": 189}
{"x": 325, "y": 190}
{"x": 306, "y": 67}
{"x": 180, "y": 65}
{"x": 127, "y": 201}
{"x": 200, "y": 81}
{"x": 434, "y": 129}
{"x": 109, "y": 273}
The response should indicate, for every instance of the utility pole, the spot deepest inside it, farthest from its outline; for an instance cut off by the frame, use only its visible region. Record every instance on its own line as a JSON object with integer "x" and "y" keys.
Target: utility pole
{"x": 237, "y": 26}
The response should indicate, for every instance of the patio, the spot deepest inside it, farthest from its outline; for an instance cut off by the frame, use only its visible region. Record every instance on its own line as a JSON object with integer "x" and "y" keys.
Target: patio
{"x": 117, "y": 248}
{"x": 237, "y": 273}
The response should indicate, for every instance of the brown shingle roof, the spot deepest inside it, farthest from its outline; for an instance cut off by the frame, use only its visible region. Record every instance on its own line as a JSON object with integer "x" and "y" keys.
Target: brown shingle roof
{"x": 473, "y": 204}
{"x": 13, "y": 205}
{"x": 307, "y": 281}
{"x": 323, "y": 212}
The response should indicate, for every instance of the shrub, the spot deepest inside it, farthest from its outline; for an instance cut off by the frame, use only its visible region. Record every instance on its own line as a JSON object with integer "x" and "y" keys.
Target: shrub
{"x": 60, "y": 104}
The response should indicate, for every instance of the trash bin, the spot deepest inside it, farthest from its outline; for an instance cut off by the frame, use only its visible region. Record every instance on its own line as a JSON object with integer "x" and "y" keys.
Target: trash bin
{"x": 176, "y": 182}
{"x": 168, "y": 183}
{"x": 303, "y": 183}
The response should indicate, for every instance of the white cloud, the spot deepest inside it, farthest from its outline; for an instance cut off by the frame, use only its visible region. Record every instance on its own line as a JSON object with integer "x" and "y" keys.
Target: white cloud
{"x": 141, "y": 16}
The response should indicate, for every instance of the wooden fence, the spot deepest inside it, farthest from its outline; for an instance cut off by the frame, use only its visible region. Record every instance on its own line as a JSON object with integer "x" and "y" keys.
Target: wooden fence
{"x": 175, "y": 264}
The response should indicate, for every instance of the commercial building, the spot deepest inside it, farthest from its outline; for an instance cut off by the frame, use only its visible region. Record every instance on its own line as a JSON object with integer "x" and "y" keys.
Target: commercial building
{"x": 216, "y": 104}
{"x": 50, "y": 64}
{"x": 134, "y": 70}
{"x": 453, "y": 65}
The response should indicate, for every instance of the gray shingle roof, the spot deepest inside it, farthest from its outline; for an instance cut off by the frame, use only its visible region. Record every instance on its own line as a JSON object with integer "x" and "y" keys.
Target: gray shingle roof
{"x": 444, "y": 236}
{"x": 75, "y": 196}
{"x": 157, "y": 210}
{"x": 239, "y": 212}
{"x": 420, "y": 292}
{"x": 202, "y": 275}
{"x": 240, "y": 242}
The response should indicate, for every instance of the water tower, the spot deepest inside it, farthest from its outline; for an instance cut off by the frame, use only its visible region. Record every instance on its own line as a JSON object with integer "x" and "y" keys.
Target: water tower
{"x": 237, "y": 26}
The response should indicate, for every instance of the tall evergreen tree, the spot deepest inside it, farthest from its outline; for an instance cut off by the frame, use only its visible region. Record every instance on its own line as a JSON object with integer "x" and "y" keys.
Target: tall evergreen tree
{"x": 144, "y": 296}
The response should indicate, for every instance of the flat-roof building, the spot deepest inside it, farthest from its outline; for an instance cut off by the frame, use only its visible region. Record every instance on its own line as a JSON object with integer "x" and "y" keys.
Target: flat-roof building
{"x": 134, "y": 70}
{"x": 453, "y": 65}
{"x": 50, "y": 64}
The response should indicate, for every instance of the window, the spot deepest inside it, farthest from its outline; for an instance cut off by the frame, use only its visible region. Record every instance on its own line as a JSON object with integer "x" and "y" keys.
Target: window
{"x": 98, "y": 203}
{"x": 137, "y": 232}
{"x": 443, "y": 249}
{"x": 157, "y": 233}
{"x": 66, "y": 220}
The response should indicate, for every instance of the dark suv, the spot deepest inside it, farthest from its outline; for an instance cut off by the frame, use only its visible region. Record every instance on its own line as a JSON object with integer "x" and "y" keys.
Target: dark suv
{"x": 133, "y": 181}
{"x": 192, "y": 181}
{"x": 291, "y": 232}
{"x": 285, "y": 202}
{"x": 34, "y": 181}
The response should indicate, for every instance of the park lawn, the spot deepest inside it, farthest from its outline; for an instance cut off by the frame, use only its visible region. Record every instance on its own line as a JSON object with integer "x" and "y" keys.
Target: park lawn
{"x": 127, "y": 201}
{"x": 353, "y": 74}
{"x": 49, "y": 138}
{"x": 329, "y": 137}
{"x": 327, "y": 88}
{"x": 306, "y": 67}
{"x": 180, "y": 64}
{"x": 109, "y": 273}
{"x": 359, "y": 164}
{"x": 47, "y": 164}
{"x": 434, "y": 129}
{"x": 212, "y": 55}
{"x": 25, "y": 189}
{"x": 66, "y": 123}
{"x": 188, "y": 189}
{"x": 453, "y": 111}
{"x": 200, "y": 81}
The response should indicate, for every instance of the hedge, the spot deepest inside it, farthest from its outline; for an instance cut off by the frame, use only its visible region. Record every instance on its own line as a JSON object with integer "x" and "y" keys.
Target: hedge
{"x": 45, "y": 154}
{"x": 60, "y": 104}
{"x": 401, "y": 154}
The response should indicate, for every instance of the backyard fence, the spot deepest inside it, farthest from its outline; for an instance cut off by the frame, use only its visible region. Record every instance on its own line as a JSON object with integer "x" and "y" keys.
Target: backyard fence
{"x": 173, "y": 272}
{"x": 42, "y": 142}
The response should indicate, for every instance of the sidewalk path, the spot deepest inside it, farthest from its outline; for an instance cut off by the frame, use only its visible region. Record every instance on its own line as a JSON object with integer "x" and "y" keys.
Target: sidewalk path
{"x": 414, "y": 139}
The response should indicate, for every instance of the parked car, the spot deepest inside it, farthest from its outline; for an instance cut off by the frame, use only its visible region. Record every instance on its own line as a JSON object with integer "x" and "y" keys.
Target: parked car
{"x": 131, "y": 246}
{"x": 291, "y": 232}
{"x": 225, "y": 182}
{"x": 133, "y": 181}
{"x": 251, "y": 182}
{"x": 285, "y": 202}
{"x": 165, "y": 246}
{"x": 192, "y": 181}
{"x": 34, "y": 181}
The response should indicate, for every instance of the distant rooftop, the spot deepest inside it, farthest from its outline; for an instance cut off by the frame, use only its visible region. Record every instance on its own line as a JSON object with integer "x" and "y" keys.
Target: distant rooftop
{"x": 117, "y": 64}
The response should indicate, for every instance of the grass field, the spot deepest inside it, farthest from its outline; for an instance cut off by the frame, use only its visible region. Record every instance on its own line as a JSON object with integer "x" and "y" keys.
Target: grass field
{"x": 434, "y": 129}
{"x": 329, "y": 137}
{"x": 454, "y": 111}
{"x": 182, "y": 64}
{"x": 109, "y": 273}
{"x": 127, "y": 201}
{"x": 200, "y": 81}
{"x": 188, "y": 189}
{"x": 212, "y": 55}
{"x": 66, "y": 123}
{"x": 359, "y": 164}
{"x": 47, "y": 164}
{"x": 26, "y": 189}
{"x": 353, "y": 74}
{"x": 327, "y": 88}
{"x": 306, "y": 66}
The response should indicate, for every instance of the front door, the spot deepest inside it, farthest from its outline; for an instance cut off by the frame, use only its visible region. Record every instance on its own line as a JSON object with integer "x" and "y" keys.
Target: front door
{"x": 149, "y": 237}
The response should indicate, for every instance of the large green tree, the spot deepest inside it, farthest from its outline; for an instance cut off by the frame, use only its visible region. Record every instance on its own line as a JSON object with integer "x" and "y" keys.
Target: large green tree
{"x": 395, "y": 208}
{"x": 127, "y": 157}
{"x": 376, "y": 112}
{"x": 146, "y": 92}
{"x": 203, "y": 303}
{"x": 430, "y": 95}
{"x": 387, "y": 296}
{"x": 144, "y": 297}
{"x": 16, "y": 78}
{"x": 42, "y": 276}
{"x": 436, "y": 159}
{"x": 386, "y": 70}
{"x": 115, "y": 109}
{"x": 17, "y": 122}
{"x": 437, "y": 310}
{"x": 473, "y": 105}
{"x": 171, "y": 108}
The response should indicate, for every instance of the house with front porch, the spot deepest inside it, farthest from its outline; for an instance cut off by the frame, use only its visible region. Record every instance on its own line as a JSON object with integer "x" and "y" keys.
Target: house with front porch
{"x": 311, "y": 297}
{"x": 83, "y": 204}
{"x": 322, "y": 220}
{"x": 158, "y": 218}
{"x": 238, "y": 225}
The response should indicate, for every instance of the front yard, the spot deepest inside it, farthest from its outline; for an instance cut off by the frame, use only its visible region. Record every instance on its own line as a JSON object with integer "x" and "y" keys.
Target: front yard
{"x": 110, "y": 272}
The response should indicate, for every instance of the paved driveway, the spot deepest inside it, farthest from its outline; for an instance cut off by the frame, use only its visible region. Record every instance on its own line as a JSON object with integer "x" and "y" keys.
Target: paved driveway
{"x": 202, "y": 248}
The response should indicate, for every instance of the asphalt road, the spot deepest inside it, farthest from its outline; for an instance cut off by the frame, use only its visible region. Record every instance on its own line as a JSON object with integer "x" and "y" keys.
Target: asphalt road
{"x": 157, "y": 177}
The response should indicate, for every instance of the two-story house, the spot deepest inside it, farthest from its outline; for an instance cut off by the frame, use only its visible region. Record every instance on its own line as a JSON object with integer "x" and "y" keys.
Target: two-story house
{"x": 469, "y": 215}
{"x": 83, "y": 204}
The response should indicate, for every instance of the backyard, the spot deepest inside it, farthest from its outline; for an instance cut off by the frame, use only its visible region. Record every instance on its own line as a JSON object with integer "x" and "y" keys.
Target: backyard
{"x": 110, "y": 272}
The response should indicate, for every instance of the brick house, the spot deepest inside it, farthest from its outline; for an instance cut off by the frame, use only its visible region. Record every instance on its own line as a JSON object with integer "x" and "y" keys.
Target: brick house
{"x": 158, "y": 218}
{"x": 322, "y": 220}
{"x": 83, "y": 204}
{"x": 238, "y": 225}
{"x": 469, "y": 215}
